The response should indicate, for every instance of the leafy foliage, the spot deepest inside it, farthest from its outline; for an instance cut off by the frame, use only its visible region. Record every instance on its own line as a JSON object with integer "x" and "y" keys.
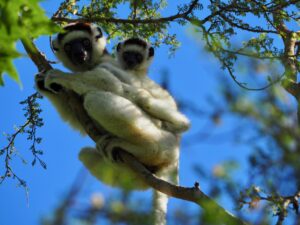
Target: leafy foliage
{"x": 19, "y": 20}
{"x": 228, "y": 20}
{"x": 143, "y": 18}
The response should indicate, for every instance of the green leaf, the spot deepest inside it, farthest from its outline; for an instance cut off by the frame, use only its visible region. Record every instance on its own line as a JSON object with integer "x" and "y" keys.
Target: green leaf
{"x": 1, "y": 80}
{"x": 20, "y": 19}
{"x": 8, "y": 67}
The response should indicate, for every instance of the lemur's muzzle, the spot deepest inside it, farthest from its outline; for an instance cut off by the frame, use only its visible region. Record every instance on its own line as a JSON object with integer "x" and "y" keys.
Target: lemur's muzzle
{"x": 79, "y": 53}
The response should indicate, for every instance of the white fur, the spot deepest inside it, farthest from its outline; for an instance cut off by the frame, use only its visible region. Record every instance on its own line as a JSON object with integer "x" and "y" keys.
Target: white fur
{"x": 129, "y": 112}
{"x": 98, "y": 47}
{"x": 156, "y": 101}
{"x": 64, "y": 110}
{"x": 140, "y": 70}
{"x": 136, "y": 48}
{"x": 105, "y": 100}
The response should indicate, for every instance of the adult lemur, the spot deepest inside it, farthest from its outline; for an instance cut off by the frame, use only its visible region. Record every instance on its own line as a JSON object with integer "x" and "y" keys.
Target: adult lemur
{"x": 114, "y": 105}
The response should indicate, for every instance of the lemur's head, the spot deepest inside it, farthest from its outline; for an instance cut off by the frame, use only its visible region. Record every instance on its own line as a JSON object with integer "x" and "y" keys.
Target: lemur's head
{"x": 80, "y": 47}
{"x": 135, "y": 54}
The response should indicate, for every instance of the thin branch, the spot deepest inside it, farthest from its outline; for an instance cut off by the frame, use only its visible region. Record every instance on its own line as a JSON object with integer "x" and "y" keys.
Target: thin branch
{"x": 247, "y": 88}
{"x": 281, "y": 5}
{"x": 61, "y": 211}
{"x": 265, "y": 13}
{"x": 183, "y": 15}
{"x": 9, "y": 171}
{"x": 230, "y": 71}
{"x": 59, "y": 10}
{"x": 134, "y": 9}
{"x": 251, "y": 55}
{"x": 240, "y": 26}
{"x": 145, "y": 8}
{"x": 233, "y": 7}
{"x": 29, "y": 127}
{"x": 216, "y": 13}
{"x": 281, "y": 202}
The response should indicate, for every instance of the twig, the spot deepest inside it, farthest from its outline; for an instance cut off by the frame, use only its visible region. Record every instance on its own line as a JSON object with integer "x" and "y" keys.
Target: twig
{"x": 62, "y": 210}
{"x": 29, "y": 127}
{"x": 134, "y": 9}
{"x": 230, "y": 70}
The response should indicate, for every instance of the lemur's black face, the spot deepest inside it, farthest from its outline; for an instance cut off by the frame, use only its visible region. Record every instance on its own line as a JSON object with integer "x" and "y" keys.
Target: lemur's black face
{"x": 135, "y": 54}
{"x": 132, "y": 59}
{"x": 79, "y": 51}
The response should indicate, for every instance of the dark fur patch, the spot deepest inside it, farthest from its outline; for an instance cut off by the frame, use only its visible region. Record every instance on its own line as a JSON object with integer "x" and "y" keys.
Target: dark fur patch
{"x": 100, "y": 35}
{"x": 136, "y": 41}
{"x": 151, "y": 52}
{"x": 74, "y": 27}
{"x": 118, "y": 47}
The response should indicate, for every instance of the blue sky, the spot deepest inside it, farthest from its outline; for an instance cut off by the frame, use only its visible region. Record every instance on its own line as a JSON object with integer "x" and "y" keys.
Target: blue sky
{"x": 193, "y": 76}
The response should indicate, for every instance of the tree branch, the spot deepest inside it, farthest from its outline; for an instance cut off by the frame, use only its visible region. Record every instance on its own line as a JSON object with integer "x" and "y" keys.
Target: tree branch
{"x": 183, "y": 15}
{"x": 290, "y": 39}
{"x": 36, "y": 56}
{"x": 215, "y": 213}
{"x": 243, "y": 27}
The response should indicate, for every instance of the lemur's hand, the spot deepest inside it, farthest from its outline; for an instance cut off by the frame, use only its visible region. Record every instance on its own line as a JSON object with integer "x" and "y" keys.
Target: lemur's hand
{"x": 39, "y": 80}
{"x": 50, "y": 81}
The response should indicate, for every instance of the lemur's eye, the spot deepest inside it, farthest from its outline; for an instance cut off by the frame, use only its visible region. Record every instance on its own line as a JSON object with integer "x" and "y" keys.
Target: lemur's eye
{"x": 86, "y": 42}
{"x": 67, "y": 47}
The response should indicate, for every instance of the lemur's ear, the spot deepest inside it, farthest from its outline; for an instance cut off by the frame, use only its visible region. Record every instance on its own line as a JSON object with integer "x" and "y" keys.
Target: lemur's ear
{"x": 118, "y": 47}
{"x": 54, "y": 45}
{"x": 151, "y": 52}
{"x": 100, "y": 33}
